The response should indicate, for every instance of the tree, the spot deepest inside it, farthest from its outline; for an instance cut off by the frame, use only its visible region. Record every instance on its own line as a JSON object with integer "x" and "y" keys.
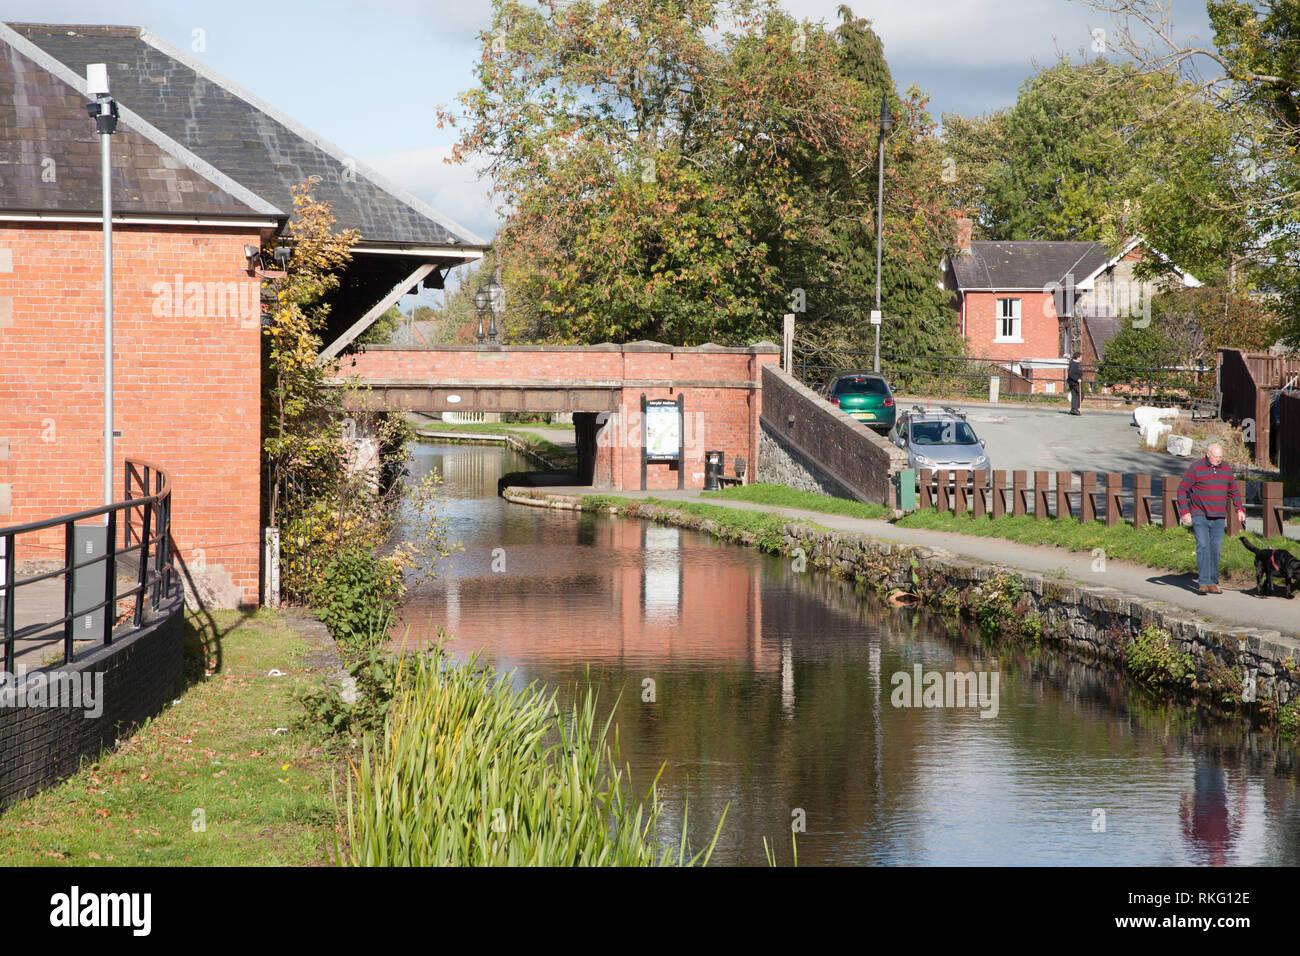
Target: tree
{"x": 1250, "y": 78}
{"x": 663, "y": 185}
{"x": 1085, "y": 149}
{"x": 334, "y": 476}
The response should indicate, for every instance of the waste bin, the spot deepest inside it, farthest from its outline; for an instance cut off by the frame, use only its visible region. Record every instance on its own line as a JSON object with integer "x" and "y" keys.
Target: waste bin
{"x": 713, "y": 464}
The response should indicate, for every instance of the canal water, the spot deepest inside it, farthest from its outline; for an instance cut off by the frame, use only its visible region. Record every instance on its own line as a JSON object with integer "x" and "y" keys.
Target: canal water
{"x": 772, "y": 693}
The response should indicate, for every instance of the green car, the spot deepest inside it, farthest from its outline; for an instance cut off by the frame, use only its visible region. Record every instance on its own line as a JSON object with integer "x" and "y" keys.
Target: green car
{"x": 865, "y": 396}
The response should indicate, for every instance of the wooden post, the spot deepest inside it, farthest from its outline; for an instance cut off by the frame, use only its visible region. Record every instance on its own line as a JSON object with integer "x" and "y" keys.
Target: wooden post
{"x": 1262, "y": 423}
{"x": 925, "y": 488}
{"x": 1141, "y": 489}
{"x": 941, "y": 485}
{"x": 1087, "y": 503}
{"x": 1064, "y": 483}
{"x": 978, "y": 483}
{"x": 1168, "y": 507}
{"x": 999, "y": 493}
{"x": 959, "y": 493}
{"x": 1018, "y": 481}
{"x": 1114, "y": 488}
{"x": 1042, "y": 505}
{"x": 1270, "y": 496}
{"x": 1234, "y": 526}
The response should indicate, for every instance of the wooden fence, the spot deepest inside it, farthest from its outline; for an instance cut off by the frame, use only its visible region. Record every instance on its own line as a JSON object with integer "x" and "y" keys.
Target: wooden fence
{"x": 1085, "y": 496}
{"x": 1247, "y": 382}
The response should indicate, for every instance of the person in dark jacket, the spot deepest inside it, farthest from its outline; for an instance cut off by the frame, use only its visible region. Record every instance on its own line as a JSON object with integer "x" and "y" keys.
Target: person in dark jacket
{"x": 1202, "y": 503}
{"x": 1074, "y": 375}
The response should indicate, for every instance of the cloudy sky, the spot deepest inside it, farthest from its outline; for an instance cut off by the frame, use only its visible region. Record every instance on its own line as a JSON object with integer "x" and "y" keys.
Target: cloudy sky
{"x": 369, "y": 74}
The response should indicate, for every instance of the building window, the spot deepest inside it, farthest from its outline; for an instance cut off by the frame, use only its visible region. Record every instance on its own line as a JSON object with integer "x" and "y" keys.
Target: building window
{"x": 1008, "y": 321}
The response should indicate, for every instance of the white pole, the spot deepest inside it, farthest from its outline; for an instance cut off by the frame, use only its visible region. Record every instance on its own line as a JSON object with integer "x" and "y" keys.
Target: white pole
{"x": 106, "y": 162}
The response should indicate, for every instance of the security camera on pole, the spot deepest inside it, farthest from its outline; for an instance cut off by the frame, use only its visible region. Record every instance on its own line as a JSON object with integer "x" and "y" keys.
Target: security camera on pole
{"x": 104, "y": 112}
{"x": 886, "y": 124}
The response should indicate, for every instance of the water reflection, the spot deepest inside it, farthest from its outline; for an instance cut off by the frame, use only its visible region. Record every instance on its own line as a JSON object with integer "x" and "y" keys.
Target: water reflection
{"x": 771, "y": 697}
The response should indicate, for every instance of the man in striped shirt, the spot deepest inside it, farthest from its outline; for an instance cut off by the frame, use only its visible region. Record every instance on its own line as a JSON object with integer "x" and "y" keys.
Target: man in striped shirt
{"x": 1202, "y": 503}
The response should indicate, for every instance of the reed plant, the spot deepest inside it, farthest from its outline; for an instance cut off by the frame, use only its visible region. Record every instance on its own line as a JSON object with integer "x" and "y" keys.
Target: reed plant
{"x": 472, "y": 772}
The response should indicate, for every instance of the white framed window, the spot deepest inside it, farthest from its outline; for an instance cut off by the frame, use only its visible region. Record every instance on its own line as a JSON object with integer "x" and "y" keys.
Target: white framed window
{"x": 1007, "y": 321}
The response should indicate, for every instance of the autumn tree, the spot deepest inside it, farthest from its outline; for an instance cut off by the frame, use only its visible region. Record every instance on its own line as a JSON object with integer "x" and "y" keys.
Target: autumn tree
{"x": 1249, "y": 76}
{"x": 662, "y": 183}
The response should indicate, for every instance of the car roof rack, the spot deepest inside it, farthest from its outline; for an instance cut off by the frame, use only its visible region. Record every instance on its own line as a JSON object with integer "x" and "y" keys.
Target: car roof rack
{"x": 953, "y": 411}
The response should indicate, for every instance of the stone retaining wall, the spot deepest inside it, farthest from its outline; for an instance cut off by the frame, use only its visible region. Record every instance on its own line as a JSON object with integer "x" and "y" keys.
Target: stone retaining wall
{"x": 1096, "y": 623}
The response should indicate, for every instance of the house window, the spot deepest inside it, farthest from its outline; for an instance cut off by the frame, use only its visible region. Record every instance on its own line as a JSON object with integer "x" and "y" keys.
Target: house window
{"x": 1008, "y": 321}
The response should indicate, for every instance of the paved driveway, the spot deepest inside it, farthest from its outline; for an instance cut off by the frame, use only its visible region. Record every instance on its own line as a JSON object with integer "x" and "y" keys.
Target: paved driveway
{"x": 1022, "y": 437}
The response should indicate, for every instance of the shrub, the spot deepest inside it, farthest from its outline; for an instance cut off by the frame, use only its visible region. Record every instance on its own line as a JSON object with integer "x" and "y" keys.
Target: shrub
{"x": 1153, "y": 660}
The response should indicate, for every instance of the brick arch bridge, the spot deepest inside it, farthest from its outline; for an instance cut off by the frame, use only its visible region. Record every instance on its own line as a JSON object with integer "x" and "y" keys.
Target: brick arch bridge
{"x": 720, "y": 390}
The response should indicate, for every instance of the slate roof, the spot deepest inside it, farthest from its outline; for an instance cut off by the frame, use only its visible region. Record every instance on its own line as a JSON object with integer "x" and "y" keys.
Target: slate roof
{"x": 1101, "y": 329}
{"x": 245, "y": 138}
{"x": 50, "y": 155}
{"x": 1007, "y": 266}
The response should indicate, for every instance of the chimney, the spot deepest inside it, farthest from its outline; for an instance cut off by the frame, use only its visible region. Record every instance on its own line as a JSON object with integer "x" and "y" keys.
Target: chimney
{"x": 964, "y": 225}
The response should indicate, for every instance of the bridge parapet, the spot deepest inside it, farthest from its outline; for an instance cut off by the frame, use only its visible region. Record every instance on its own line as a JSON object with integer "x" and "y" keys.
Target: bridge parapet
{"x": 721, "y": 389}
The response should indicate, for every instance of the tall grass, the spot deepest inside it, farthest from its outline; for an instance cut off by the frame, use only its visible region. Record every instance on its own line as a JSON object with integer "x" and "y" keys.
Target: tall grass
{"x": 470, "y": 772}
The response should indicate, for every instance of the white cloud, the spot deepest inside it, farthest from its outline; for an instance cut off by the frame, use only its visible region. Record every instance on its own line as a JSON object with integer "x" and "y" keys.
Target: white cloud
{"x": 455, "y": 191}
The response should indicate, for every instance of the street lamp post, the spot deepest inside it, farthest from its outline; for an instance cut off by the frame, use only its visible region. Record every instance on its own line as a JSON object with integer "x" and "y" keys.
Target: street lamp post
{"x": 481, "y": 301}
{"x": 104, "y": 112}
{"x": 886, "y": 124}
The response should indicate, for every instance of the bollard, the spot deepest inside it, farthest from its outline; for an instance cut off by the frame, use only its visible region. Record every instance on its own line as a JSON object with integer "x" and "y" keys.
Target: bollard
{"x": 1168, "y": 507}
{"x": 1234, "y": 526}
{"x": 1141, "y": 506}
{"x": 1270, "y": 497}
{"x": 1018, "y": 481}
{"x": 1064, "y": 484}
{"x": 1114, "y": 488}
{"x": 1087, "y": 501}
{"x": 1042, "y": 495}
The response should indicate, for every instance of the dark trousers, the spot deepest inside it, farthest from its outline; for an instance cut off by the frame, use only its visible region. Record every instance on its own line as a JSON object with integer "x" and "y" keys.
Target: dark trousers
{"x": 1075, "y": 389}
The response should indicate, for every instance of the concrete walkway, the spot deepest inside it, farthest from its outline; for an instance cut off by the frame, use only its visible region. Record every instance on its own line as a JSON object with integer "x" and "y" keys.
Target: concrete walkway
{"x": 1232, "y": 607}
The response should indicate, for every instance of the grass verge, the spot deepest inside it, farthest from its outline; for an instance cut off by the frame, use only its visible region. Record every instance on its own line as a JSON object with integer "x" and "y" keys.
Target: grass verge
{"x": 209, "y": 782}
{"x": 1171, "y": 550}
{"x": 783, "y": 497}
{"x": 556, "y": 456}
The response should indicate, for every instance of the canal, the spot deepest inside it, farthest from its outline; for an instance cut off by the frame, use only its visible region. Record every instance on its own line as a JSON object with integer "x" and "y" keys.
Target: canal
{"x": 771, "y": 692}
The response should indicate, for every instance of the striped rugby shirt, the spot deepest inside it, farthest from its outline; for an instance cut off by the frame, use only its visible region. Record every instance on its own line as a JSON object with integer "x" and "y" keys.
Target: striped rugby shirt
{"x": 1206, "y": 489}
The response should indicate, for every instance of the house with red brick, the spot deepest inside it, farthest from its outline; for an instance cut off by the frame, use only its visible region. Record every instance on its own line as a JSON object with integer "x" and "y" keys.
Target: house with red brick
{"x": 1027, "y": 305}
{"x": 202, "y": 174}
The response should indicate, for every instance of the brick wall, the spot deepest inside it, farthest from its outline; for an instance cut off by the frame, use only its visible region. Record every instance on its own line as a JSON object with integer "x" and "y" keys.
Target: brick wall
{"x": 721, "y": 387}
{"x": 187, "y": 383}
{"x": 40, "y": 746}
{"x": 1040, "y": 329}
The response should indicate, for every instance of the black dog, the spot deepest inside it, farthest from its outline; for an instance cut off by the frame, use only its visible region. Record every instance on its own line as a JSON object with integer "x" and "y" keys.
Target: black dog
{"x": 1271, "y": 561}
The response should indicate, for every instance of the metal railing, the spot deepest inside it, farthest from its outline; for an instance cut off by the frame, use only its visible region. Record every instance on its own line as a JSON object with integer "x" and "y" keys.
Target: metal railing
{"x": 960, "y": 375}
{"x": 144, "y": 518}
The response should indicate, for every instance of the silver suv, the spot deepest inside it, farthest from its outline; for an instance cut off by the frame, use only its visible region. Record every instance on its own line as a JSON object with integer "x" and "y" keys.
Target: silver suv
{"x": 939, "y": 439}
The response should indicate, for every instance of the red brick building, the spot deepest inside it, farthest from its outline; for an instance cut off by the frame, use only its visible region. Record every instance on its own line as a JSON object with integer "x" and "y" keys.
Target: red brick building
{"x": 202, "y": 170}
{"x": 1028, "y": 305}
